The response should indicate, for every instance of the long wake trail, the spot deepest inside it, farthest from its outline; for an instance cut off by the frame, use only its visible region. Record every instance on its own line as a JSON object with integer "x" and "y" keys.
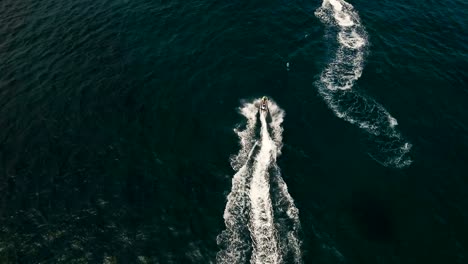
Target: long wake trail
{"x": 343, "y": 26}
{"x": 261, "y": 226}
{"x": 255, "y": 222}
{"x": 235, "y": 239}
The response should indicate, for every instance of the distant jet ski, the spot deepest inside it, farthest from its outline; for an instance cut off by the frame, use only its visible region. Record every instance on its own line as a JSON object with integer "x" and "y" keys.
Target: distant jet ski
{"x": 264, "y": 104}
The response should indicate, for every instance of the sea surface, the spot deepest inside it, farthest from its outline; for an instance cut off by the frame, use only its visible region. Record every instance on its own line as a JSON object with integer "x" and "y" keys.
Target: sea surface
{"x": 130, "y": 131}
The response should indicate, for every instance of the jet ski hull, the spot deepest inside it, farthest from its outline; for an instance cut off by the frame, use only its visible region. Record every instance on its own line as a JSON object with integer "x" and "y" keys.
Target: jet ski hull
{"x": 264, "y": 105}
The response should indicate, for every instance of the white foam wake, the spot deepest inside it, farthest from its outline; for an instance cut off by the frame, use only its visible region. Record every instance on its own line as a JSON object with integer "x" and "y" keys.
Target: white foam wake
{"x": 287, "y": 216}
{"x": 347, "y": 66}
{"x": 338, "y": 78}
{"x": 235, "y": 239}
{"x": 250, "y": 213}
{"x": 247, "y": 136}
{"x": 261, "y": 226}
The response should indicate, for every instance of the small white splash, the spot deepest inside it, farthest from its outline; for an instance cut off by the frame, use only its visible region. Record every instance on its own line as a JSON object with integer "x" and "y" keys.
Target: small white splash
{"x": 341, "y": 15}
{"x": 393, "y": 122}
{"x": 407, "y": 146}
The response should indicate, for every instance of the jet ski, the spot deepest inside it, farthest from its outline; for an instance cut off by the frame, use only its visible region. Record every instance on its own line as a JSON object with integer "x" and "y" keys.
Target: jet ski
{"x": 264, "y": 104}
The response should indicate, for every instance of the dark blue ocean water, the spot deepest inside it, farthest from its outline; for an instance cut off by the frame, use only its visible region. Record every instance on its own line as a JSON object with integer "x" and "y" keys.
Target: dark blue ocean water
{"x": 117, "y": 118}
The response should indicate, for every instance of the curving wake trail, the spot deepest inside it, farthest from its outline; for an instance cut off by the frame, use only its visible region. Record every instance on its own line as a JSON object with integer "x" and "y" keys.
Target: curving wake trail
{"x": 336, "y": 81}
{"x": 255, "y": 212}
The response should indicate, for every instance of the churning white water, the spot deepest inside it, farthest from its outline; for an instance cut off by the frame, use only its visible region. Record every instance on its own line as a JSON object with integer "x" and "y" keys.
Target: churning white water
{"x": 344, "y": 28}
{"x": 251, "y": 227}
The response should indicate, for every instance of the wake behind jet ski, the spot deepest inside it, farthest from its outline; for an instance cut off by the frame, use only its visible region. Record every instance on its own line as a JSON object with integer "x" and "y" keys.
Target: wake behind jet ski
{"x": 264, "y": 104}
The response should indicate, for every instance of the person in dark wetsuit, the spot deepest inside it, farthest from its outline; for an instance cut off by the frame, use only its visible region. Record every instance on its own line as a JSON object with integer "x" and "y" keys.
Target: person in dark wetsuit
{"x": 263, "y": 105}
